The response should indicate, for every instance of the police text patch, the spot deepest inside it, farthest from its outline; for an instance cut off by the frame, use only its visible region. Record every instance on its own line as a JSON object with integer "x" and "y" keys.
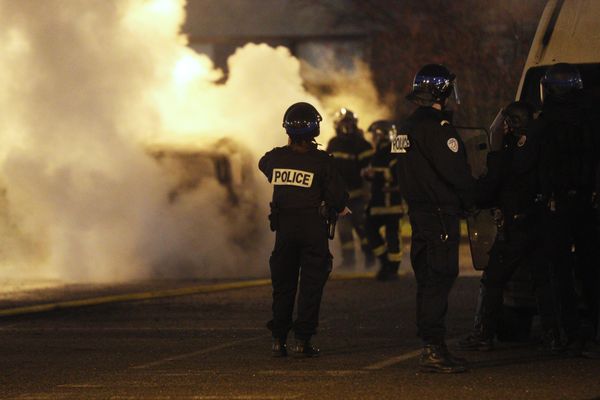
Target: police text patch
{"x": 453, "y": 145}
{"x": 400, "y": 143}
{"x": 292, "y": 177}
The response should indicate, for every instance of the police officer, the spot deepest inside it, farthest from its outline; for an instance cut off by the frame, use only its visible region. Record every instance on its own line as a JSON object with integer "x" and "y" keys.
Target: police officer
{"x": 510, "y": 187}
{"x": 385, "y": 204}
{"x": 351, "y": 153}
{"x": 437, "y": 184}
{"x": 303, "y": 179}
{"x": 568, "y": 162}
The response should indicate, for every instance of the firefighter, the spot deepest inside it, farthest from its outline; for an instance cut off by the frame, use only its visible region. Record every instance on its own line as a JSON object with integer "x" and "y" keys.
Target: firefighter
{"x": 437, "y": 184}
{"x": 385, "y": 204}
{"x": 510, "y": 188}
{"x": 568, "y": 164}
{"x": 307, "y": 191}
{"x": 352, "y": 154}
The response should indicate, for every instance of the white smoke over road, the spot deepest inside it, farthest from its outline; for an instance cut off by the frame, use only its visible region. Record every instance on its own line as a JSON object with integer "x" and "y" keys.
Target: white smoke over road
{"x": 87, "y": 88}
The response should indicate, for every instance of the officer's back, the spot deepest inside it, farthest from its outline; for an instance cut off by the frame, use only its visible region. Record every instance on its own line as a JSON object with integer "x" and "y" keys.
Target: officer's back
{"x": 302, "y": 178}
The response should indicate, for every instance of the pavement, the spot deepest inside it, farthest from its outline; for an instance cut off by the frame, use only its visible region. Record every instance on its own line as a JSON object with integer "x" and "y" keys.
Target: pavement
{"x": 207, "y": 340}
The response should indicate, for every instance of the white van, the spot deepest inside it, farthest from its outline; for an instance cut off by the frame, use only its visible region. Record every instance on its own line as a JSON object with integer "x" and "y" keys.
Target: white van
{"x": 569, "y": 32}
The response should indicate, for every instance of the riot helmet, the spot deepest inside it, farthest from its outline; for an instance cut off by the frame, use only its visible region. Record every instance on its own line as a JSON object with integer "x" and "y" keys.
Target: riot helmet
{"x": 559, "y": 82}
{"x": 301, "y": 121}
{"x": 517, "y": 116}
{"x": 434, "y": 83}
{"x": 345, "y": 121}
{"x": 383, "y": 131}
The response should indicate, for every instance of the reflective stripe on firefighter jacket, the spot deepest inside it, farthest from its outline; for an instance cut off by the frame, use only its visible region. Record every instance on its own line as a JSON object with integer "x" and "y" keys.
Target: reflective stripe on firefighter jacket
{"x": 352, "y": 153}
{"x": 386, "y": 198}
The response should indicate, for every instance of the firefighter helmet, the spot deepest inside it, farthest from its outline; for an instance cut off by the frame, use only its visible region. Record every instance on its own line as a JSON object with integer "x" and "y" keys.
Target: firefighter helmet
{"x": 345, "y": 121}
{"x": 383, "y": 131}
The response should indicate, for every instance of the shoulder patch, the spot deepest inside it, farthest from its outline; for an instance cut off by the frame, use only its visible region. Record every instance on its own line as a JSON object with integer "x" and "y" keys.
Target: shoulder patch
{"x": 292, "y": 177}
{"x": 400, "y": 143}
{"x": 444, "y": 122}
{"x": 453, "y": 145}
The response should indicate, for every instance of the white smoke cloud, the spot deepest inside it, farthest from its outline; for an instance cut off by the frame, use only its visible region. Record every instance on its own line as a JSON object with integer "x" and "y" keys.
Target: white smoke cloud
{"x": 95, "y": 97}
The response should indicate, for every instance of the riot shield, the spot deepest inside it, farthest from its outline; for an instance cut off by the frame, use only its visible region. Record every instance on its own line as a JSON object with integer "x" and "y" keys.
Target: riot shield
{"x": 481, "y": 226}
{"x": 497, "y": 132}
{"x": 476, "y": 146}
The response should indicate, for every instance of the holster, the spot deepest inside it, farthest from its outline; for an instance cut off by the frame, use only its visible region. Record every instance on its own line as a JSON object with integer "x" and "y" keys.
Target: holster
{"x": 274, "y": 217}
{"x": 330, "y": 216}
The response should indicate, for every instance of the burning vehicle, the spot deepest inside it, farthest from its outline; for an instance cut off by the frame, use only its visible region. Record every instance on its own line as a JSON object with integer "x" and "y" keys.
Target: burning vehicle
{"x": 224, "y": 161}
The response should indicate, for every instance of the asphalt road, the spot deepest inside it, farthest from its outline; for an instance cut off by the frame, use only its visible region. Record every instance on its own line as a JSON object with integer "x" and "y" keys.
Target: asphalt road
{"x": 215, "y": 346}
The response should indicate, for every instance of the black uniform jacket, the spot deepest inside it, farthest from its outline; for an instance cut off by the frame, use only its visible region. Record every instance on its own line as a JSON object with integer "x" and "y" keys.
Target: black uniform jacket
{"x": 511, "y": 179}
{"x": 352, "y": 153}
{"x": 385, "y": 192}
{"x": 303, "y": 180}
{"x": 568, "y": 149}
{"x": 432, "y": 165}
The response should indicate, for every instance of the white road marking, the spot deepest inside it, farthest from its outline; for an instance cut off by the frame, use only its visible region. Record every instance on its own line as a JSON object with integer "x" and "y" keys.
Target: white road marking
{"x": 125, "y": 329}
{"x": 398, "y": 359}
{"x": 393, "y": 360}
{"x": 80, "y": 386}
{"x": 213, "y": 397}
{"x": 198, "y": 353}
{"x": 249, "y": 397}
{"x": 306, "y": 373}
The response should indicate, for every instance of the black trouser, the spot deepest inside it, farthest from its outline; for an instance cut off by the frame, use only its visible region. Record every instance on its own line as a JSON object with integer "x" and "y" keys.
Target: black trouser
{"x": 387, "y": 249}
{"x": 434, "y": 257}
{"x": 520, "y": 244}
{"x": 355, "y": 221}
{"x": 571, "y": 237}
{"x": 301, "y": 250}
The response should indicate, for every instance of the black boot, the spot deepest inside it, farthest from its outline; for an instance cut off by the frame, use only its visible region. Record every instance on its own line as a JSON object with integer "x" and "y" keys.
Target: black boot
{"x": 304, "y": 348}
{"x": 279, "y": 347}
{"x": 476, "y": 342}
{"x": 435, "y": 359}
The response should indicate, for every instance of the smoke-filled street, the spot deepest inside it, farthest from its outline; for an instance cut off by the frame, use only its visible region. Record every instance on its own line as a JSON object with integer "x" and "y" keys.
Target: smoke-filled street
{"x": 299, "y": 199}
{"x": 215, "y": 346}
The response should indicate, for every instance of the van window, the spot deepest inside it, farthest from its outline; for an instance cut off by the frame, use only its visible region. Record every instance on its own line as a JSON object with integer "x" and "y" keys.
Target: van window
{"x": 590, "y": 74}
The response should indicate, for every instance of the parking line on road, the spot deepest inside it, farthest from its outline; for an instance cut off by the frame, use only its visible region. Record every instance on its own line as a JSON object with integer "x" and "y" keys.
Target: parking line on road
{"x": 315, "y": 373}
{"x": 393, "y": 360}
{"x": 157, "y": 294}
{"x": 80, "y": 386}
{"x": 398, "y": 359}
{"x": 197, "y": 353}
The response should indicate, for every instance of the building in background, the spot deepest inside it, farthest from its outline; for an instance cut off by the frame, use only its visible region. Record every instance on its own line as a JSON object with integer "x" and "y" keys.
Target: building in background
{"x": 313, "y": 32}
{"x": 485, "y": 42}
